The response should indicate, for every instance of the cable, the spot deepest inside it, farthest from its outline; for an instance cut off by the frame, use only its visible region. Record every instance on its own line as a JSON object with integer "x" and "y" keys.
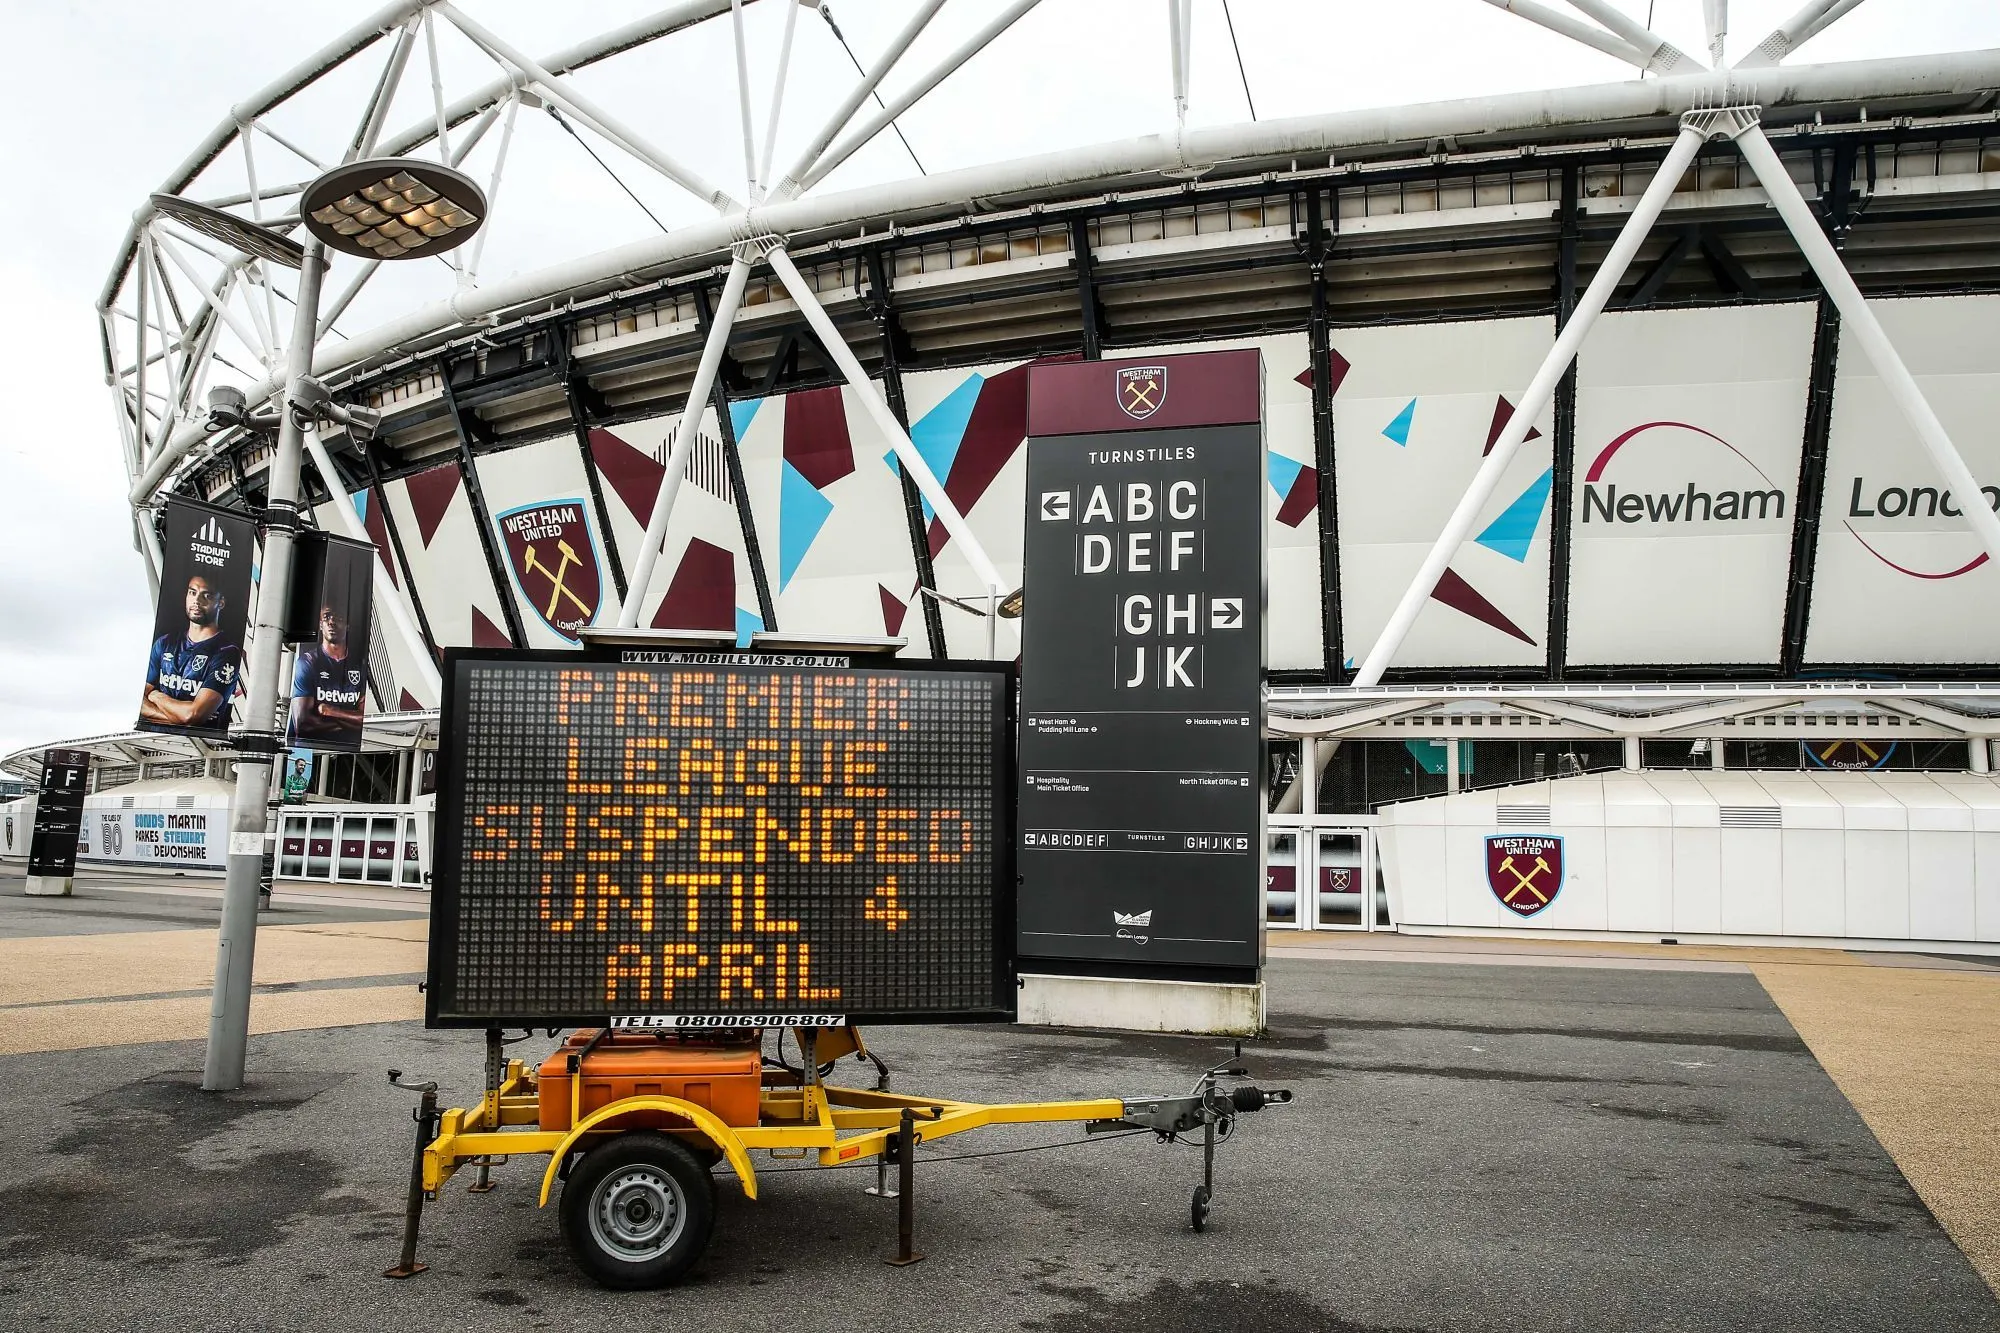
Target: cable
{"x": 557, "y": 115}
{"x": 1241, "y": 73}
{"x": 826, "y": 12}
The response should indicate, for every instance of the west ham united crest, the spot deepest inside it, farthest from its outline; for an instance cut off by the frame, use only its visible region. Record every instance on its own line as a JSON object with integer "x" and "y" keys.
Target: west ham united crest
{"x": 554, "y": 560}
{"x": 1142, "y": 390}
{"x": 1525, "y": 872}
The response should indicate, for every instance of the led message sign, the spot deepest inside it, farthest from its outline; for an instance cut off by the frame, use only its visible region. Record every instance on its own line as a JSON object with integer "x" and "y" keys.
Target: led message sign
{"x": 687, "y": 840}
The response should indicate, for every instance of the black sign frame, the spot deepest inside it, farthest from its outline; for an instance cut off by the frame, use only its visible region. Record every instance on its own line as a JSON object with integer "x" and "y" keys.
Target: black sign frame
{"x": 1124, "y": 793}
{"x": 58, "y": 826}
{"x": 441, "y": 976}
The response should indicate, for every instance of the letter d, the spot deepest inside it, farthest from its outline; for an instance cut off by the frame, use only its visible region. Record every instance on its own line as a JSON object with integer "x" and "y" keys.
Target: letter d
{"x": 1096, "y": 553}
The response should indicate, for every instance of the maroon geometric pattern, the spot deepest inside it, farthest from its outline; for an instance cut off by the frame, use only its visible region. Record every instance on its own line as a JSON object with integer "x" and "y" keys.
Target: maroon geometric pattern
{"x": 633, "y": 473}
{"x": 378, "y": 532}
{"x": 431, "y": 493}
{"x": 1461, "y": 596}
{"x": 816, "y": 439}
{"x": 409, "y": 703}
{"x": 703, "y": 592}
{"x": 1337, "y": 364}
{"x": 486, "y": 634}
{"x": 993, "y": 434}
{"x": 1302, "y": 499}
{"x": 894, "y": 609}
{"x": 1503, "y": 412}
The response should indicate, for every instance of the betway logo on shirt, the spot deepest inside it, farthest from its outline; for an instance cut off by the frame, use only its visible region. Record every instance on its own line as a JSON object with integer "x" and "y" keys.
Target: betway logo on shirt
{"x": 1732, "y": 487}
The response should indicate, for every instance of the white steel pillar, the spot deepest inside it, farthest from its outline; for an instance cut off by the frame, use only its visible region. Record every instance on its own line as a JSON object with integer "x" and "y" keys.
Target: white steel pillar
{"x": 1859, "y": 322}
{"x": 1451, "y": 773}
{"x": 1715, "y": 753}
{"x": 1980, "y": 751}
{"x": 1309, "y": 776}
{"x": 1633, "y": 760}
{"x": 677, "y": 457}
{"x": 1533, "y": 400}
{"x": 885, "y": 420}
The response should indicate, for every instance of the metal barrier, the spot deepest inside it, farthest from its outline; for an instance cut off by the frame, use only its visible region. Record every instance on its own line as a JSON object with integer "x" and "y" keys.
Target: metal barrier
{"x": 388, "y": 845}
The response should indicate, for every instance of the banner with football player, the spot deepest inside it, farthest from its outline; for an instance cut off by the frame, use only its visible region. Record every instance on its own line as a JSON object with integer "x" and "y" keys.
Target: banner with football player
{"x": 330, "y": 684}
{"x": 198, "y": 624}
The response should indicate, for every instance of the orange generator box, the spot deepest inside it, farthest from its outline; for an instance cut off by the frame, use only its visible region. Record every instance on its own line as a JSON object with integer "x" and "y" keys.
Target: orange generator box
{"x": 724, "y": 1079}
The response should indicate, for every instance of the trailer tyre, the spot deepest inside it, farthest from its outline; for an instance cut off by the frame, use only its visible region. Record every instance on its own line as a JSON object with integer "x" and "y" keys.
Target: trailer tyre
{"x": 637, "y": 1211}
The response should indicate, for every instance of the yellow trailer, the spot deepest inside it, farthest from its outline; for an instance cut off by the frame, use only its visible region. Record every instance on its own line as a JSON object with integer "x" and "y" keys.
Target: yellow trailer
{"x": 638, "y": 1198}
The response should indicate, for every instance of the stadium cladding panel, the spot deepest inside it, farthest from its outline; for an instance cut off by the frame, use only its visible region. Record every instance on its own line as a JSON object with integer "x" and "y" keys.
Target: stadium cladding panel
{"x": 1720, "y": 490}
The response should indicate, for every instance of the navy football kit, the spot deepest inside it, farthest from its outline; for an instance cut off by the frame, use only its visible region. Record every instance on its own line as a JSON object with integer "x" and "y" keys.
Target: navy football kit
{"x": 336, "y": 682}
{"x": 182, "y": 667}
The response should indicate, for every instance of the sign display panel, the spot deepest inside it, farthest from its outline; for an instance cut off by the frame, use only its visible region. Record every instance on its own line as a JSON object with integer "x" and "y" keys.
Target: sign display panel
{"x": 1900, "y": 574}
{"x": 58, "y": 812}
{"x": 1416, "y": 410}
{"x": 1142, "y": 792}
{"x": 332, "y": 592}
{"x": 705, "y": 839}
{"x": 199, "y": 621}
{"x": 1685, "y": 486}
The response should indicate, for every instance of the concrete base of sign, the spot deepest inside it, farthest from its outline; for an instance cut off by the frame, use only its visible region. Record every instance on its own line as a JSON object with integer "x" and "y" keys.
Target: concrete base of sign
{"x": 1235, "y": 1010}
{"x": 49, "y": 886}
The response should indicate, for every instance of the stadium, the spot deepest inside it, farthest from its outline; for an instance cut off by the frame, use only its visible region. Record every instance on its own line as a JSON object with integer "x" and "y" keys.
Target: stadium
{"x": 1717, "y": 627}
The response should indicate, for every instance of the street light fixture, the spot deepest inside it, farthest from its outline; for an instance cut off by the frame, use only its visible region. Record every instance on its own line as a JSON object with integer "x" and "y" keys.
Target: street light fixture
{"x": 387, "y": 208}
{"x": 238, "y": 233}
{"x": 392, "y": 207}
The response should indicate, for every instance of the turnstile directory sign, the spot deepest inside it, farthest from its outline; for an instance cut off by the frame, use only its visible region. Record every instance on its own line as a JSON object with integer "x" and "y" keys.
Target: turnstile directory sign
{"x": 1142, "y": 792}
{"x": 58, "y": 813}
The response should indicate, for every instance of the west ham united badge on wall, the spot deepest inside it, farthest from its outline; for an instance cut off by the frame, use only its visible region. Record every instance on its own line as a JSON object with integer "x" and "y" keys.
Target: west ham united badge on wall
{"x": 1524, "y": 872}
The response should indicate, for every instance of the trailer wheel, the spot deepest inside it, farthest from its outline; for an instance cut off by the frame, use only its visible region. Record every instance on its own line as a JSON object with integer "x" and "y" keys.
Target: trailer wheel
{"x": 637, "y": 1211}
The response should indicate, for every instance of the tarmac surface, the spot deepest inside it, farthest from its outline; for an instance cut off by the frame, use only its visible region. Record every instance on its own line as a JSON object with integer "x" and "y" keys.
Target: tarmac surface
{"x": 1485, "y": 1137}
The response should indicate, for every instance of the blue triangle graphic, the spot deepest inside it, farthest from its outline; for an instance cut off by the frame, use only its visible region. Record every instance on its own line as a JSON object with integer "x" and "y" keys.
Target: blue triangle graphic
{"x": 742, "y": 414}
{"x": 747, "y": 623}
{"x": 1399, "y": 429}
{"x": 802, "y": 512}
{"x": 360, "y": 499}
{"x": 938, "y": 433}
{"x": 1283, "y": 472}
{"x": 1511, "y": 533}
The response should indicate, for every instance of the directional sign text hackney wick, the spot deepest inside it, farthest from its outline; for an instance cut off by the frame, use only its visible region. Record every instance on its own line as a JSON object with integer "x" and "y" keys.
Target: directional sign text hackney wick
{"x": 1142, "y": 800}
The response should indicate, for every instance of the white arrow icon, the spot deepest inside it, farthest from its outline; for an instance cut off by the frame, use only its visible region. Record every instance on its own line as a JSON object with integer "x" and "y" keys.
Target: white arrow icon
{"x": 1225, "y": 613}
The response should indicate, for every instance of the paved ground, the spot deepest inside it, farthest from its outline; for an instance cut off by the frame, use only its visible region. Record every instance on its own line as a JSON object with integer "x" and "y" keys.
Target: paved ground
{"x": 1562, "y": 1138}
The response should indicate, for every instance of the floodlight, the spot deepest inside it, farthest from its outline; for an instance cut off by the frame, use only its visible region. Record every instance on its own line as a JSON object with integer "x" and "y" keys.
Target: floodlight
{"x": 387, "y": 208}
{"x": 252, "y": 238}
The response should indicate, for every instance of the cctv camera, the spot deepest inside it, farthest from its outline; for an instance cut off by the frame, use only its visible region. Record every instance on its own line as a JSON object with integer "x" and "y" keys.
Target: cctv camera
{"x": 226, "y": 406}
{"x": 361, "y": 422}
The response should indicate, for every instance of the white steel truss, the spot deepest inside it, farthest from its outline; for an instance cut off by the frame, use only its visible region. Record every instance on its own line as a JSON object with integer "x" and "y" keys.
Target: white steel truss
{"x": 176, "y": 307}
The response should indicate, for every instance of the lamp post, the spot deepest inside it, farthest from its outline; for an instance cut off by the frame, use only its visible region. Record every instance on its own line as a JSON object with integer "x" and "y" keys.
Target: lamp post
{"x": 388, "y": 208}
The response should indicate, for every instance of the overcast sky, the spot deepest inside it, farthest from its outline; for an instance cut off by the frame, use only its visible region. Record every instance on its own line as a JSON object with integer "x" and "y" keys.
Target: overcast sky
{"x": 109, "y": 96}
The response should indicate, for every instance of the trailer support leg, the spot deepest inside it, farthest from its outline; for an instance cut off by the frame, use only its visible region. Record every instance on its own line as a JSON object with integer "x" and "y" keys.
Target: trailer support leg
{"x": 496, "y": 1059}
{"x": 426, "y": 1116}
{"x": 906, "y": 1198}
